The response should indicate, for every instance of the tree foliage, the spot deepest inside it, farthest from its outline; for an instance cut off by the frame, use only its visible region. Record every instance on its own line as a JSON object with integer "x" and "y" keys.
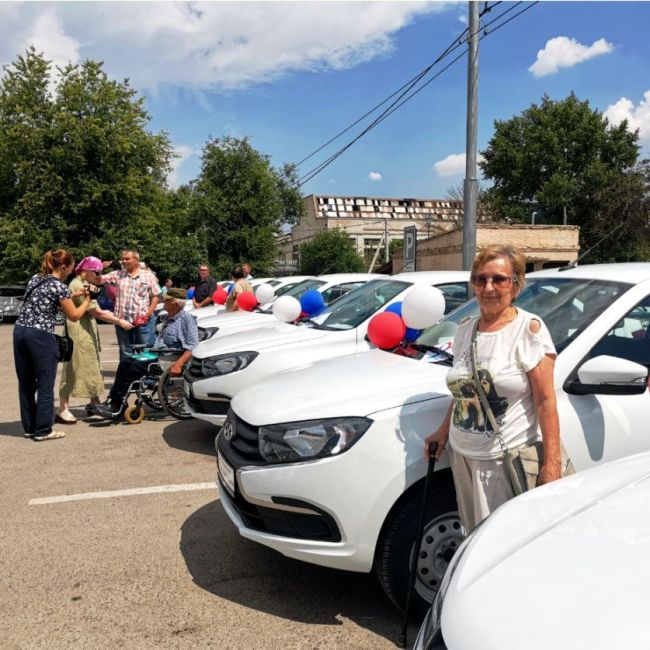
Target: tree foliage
{"x": 330, "y": 251}
{"x": 564, "y": 154}
{"x": 239, "y": 204}
{"x": 78, "y": 168}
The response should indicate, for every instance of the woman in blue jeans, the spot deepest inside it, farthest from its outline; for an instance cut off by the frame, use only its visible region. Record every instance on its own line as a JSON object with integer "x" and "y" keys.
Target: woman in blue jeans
{"x": 35, "y": 350}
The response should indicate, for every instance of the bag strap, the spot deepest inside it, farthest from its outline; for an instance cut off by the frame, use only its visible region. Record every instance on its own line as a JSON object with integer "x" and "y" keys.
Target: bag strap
{"x": 481, "y": 393}
{"x": 36, "y": 286}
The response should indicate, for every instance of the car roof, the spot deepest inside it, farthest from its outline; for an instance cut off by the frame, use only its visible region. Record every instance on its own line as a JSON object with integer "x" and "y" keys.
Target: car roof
{"x": 433, "y": 277}
{"x": 632, "y": 272}
{"x": 335, "y": 278}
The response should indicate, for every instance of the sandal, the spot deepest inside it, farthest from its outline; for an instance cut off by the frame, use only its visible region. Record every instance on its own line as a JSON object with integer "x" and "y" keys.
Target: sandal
{"x": 52, "y": 435}
{"x": 65, "y": 417}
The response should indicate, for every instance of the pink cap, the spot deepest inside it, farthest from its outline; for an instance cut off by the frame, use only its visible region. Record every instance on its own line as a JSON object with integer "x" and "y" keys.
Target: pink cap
{"x": 90, "y": 264}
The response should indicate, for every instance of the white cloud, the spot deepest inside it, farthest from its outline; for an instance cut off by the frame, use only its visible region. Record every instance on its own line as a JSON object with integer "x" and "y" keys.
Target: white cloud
{"x": 563, "y": 52}
{"x": 638, "y": 117}
{"x": 452, "y": 165}
{"x": 210, "y": 45}
{"x": 374, "y": 176}
{"x": 183, "y": 153}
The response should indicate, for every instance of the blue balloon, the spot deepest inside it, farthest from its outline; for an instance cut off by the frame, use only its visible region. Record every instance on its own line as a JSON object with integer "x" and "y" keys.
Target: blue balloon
{"x": 396, "y": 308}
{"x": 190, "y": 293}
{"x": 312, "y": 302}
{"x": 230, "y": 286}
{"x": 411, "y": 334}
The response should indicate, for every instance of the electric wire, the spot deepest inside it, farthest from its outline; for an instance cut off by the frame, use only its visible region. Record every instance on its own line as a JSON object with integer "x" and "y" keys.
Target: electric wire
{"x": 405, "y": 96}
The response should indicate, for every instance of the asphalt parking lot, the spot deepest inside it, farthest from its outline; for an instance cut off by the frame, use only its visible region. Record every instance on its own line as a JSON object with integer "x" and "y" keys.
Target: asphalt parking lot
{"x": 141, "y": 554}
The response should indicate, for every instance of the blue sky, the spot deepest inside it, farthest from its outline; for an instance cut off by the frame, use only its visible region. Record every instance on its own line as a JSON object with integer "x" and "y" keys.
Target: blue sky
{"x": 290, "y": 75}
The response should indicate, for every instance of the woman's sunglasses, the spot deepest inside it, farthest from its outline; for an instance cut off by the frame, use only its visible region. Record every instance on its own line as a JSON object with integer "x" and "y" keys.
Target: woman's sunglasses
{"x": 481, "y": 279}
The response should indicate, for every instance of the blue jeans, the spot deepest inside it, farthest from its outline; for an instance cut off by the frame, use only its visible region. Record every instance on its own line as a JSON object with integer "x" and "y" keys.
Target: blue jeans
{"x": 35, "y": 355}
{"x": 148, "y": 331}
{"x": 127, "y": 338}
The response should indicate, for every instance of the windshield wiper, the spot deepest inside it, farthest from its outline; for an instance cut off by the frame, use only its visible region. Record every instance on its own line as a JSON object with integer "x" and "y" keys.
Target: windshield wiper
{"x": 422, "y": 347}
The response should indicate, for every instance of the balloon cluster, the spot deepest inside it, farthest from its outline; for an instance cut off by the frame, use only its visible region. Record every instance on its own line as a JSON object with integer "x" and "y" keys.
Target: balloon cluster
{"x": 288, "y": 308}
{"x": 404, "y": 321}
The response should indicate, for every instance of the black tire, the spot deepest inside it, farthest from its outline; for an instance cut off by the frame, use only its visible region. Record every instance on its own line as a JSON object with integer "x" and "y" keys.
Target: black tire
{"x": 443, "y": 534}
{"x": 170, "y": 394}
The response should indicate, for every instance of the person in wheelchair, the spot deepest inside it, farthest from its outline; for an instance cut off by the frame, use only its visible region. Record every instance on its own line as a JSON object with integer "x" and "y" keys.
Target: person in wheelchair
{"x": 179, "y": 332}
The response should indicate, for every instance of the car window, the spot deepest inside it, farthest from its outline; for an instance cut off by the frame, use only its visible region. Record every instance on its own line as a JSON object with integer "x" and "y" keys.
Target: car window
{"x": 455, "y": 293}
{"x": 338, "y": 291}
{"x": 296, "y": 290}
{"x": 630, "y": 337}
{"x": 12, "y": 292}
{"x": 566, "y": 305}
{"x": 361, "y": 303}
{"x": 281, "y": 291}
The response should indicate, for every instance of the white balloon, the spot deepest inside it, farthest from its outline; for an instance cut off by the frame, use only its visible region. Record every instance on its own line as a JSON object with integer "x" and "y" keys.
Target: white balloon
{"x": 286, "y": 309}
{"x": 264, "y": 293}
{"x": 423, "y": 306}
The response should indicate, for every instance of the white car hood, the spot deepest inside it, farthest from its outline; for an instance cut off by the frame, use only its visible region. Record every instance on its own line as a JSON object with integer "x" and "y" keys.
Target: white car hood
{"x": 260, "y": 338}
{"x": 355, "y": 385}
{"x": 574, "y": 554}
{"x": 235, "y": 319}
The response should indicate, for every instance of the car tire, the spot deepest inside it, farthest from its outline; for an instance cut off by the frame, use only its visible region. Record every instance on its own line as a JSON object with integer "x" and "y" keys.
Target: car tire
{"x": 443, "y": 534}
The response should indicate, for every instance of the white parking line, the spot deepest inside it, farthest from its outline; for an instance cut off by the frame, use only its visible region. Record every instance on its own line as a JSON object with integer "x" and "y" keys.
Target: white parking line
{"x": 111, "y": 494}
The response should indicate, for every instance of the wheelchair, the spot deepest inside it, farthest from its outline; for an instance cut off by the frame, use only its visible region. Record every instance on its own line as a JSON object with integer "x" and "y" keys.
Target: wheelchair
{"x": 157, "y": 388}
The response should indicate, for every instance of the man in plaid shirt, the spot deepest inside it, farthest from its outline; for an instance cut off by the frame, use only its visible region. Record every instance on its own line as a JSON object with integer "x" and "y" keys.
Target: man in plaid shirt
{"x": 136, "y": 299}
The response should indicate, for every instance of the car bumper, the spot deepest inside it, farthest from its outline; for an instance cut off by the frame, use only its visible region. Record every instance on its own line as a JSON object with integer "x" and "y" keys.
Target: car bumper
{"x": 355, "y": 514}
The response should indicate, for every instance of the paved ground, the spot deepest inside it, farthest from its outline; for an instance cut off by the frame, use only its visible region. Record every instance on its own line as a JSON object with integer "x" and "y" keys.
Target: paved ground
{"x": 162, "y": 569}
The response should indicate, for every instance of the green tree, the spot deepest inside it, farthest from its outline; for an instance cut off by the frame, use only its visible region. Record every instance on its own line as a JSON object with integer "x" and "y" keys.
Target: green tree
{"x": 330, "y": 251}
{"x": 78, "y": 167}
{"x": 562, "y": 155}
{"x": 239, "y": 204}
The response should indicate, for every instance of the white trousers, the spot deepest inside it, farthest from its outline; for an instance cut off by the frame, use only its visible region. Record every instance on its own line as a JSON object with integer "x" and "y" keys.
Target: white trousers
{"x": 481, "y": 487}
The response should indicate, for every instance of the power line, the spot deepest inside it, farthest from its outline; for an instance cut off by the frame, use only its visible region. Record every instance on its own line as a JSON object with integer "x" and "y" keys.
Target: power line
{"x": 404, "y": 94}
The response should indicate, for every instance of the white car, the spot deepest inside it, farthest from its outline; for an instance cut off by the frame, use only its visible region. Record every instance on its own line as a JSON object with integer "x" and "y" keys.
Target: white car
{"x": 325, "y": 464}
{"x": 221, "y": 367}
{"x": 280, "y": 285}
{"x": 564, "y": 566}
{"x": 332, "y": 287}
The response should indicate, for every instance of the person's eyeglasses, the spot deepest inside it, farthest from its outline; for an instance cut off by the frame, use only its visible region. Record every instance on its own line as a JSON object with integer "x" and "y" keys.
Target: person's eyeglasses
{"x": 481, "y": 279}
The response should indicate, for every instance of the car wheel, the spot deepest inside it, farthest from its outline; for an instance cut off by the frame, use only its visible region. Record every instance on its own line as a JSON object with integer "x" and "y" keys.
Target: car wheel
{"x": 170, "y": 394}
{"x": 443, "y": 534}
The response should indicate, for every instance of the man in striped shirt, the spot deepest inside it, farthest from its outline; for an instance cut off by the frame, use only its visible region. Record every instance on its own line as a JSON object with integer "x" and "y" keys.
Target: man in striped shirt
{"x": 136, "y": 299}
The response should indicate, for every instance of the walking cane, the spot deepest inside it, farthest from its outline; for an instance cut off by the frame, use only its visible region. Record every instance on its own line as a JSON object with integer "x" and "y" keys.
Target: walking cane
{"x": 433, "y": 447}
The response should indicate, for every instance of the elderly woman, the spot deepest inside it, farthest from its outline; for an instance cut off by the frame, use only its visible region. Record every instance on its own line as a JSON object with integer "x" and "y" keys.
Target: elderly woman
{"x": 514, "y": 360}
{"x": 179, "y": 332}
{"x": 82, "y": 375}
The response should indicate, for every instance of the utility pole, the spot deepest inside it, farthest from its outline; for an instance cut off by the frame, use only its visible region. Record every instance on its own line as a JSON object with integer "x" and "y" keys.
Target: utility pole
{"x": 387, "y": 255}
{"x": 470, "y": 185}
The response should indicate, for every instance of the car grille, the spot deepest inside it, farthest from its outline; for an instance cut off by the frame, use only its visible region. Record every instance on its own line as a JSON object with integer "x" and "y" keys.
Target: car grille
{"x": 209, "y": 406}
{"x": 243, "y": 447}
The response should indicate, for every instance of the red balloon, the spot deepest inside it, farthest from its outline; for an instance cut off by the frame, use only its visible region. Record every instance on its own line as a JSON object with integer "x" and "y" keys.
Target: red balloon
{"x": 246, "y": 300}
{"x": 386, "y": 330}
{"x": 219, "y": 296}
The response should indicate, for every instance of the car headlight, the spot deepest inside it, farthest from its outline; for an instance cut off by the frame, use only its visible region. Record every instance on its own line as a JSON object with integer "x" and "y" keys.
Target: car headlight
{"x": 284, "y": 443}
{"x": 224, "y": 364}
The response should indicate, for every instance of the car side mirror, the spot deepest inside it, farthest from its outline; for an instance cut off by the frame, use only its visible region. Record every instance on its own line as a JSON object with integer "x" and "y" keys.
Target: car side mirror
{"x": 605, "y": 375}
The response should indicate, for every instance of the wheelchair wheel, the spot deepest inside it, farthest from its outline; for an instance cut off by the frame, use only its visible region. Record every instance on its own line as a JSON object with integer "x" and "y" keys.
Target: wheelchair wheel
{"x": 134, "y": 414}
{"x": 170, "y": 394}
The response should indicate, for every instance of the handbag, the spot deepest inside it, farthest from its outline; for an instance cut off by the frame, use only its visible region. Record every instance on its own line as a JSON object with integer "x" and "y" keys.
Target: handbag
{"x": 522, "y": 463}
{"x": 64, "y": 344}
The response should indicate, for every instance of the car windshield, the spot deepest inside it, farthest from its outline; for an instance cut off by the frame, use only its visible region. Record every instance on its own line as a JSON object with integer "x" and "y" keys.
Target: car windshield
{"x": 566, "y": 305}
{"x": 295, "y": 290}
{"x": 355, "y": 307}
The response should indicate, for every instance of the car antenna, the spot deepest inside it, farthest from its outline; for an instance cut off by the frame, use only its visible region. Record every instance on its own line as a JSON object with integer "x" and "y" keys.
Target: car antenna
{"x": 573, "y": 264}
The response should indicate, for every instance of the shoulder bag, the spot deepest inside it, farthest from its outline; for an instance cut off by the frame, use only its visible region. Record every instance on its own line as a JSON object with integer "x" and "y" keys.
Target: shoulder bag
{"x": 64, "y": 343}
{"x": 522, "y": 463}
